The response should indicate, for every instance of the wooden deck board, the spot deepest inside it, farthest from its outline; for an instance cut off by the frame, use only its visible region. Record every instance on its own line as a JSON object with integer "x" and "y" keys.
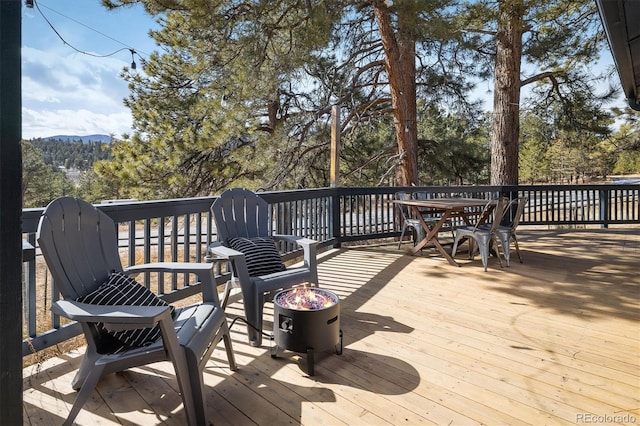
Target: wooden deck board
{"x": 543, "y": 342}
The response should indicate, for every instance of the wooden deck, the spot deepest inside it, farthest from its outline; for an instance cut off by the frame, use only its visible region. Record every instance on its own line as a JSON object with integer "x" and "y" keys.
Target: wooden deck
{"x": 553, "y": 341}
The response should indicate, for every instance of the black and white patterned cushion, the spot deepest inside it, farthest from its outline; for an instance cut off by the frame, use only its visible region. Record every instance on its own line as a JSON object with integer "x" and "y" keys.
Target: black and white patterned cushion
{"x": 260, "y": 253}
{"x": 120, "y": 289}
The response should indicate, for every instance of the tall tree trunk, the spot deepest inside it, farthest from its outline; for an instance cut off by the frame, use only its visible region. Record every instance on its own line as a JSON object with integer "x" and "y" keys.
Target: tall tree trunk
{"x": 400, "y": 63}
{"x": 506, "y": 100}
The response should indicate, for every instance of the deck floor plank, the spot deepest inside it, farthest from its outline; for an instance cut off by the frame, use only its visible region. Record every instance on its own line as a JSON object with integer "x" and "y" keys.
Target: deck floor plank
{"x": 548, "y": 341}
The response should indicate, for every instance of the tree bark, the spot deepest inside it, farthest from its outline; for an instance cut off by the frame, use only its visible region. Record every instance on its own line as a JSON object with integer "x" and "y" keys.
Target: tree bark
{"x": 400, "y": 63}
{"x": 506, "y": 101}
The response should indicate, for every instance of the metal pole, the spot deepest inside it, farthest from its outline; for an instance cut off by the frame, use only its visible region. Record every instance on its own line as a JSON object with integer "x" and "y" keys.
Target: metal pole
{"x": 335, "y": 146}
{"x": 10, "y": 214}
{"x": 335, "y": 175}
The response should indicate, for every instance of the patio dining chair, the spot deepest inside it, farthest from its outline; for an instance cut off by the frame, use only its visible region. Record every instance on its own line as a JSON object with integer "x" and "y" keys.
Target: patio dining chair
{"x": 125, "y": 324}
{"x": 483, "y": 237}
{"x": 507, "y": 233}
{"x": 242, "y": 220}
{"x": 408, "y": 221}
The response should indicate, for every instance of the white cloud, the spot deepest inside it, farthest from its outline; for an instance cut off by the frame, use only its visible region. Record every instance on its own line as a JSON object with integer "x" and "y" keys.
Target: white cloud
{"x": 72, "y": 93}
{"x": 80, "y": 122}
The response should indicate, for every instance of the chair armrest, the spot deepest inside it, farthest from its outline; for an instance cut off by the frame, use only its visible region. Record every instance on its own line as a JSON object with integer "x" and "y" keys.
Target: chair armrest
{"x": 169, "y": 267}
{"x": 114, "y": 317}
{"x": 301, "y": 241}
{"x": 309, "y": 248}
{"x": 216, "y": 252}
{"x": 127, "y": 317}
{"x": 203, "y": 271}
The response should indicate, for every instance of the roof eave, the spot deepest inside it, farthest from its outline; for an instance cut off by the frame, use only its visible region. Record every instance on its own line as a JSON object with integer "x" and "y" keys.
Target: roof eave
{"x": 617, "y": 17}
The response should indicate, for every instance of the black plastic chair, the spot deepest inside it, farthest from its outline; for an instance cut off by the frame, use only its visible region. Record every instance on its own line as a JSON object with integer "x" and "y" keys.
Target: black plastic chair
{"x": 243, "y": 216}
{"x": 80, "y": 246}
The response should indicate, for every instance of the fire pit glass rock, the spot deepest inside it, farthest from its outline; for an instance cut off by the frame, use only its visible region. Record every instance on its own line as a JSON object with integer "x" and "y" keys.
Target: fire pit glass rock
{"x": 306, "y": 299}
{"x": 307, "y": 319}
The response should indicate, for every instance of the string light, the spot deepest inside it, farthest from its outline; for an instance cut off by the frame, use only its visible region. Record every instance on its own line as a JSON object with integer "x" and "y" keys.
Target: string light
{"x": 133, "y": 59}
{"x": 31, "y": 3}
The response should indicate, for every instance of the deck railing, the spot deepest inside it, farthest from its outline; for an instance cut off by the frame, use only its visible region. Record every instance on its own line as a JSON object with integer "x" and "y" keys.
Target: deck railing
{"x": 181, "y": 230}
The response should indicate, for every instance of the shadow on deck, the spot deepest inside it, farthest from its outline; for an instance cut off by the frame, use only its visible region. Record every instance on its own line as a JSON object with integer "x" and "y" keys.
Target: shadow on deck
{"x": 551, "y": 341}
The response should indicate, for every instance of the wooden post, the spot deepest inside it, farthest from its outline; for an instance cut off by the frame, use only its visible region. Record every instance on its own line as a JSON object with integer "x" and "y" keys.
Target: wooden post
{"x": 335, "y": 146}
{"x": 10, "y": 219}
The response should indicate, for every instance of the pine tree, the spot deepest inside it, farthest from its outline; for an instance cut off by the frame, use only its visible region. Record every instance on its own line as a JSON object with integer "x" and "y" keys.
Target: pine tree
{"x": 242, "y": 92}
{"x": 546, "y": 43}
{"x": 256, "y": 81}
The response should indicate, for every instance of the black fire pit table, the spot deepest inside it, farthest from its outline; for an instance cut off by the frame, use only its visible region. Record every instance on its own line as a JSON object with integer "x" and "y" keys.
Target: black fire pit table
{"x": 306, "y": 319}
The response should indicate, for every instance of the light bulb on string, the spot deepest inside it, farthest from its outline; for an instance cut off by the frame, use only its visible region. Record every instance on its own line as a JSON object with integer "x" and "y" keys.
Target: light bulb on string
{"x": 133, "y": 59}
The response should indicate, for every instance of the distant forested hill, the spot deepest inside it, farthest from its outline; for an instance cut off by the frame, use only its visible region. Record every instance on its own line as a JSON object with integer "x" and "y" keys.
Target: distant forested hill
{"x": 85, "y": 139}
{"x": 72, "y": 153}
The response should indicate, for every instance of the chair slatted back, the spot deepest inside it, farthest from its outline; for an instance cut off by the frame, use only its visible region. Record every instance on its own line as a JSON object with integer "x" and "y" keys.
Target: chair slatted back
{"x": 404, "y": 209}
{"x": 522, "y": 201}
{"x": 502, "y": 206}
{"x": 499, "y": 211}
{"x": 240, "y": 213}
{"x": 79, "y": 244}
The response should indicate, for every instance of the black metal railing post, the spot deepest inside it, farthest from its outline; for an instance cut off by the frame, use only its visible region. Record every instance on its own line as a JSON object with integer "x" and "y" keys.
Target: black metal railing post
{"x": 335, "y": 227}
{"x": 604, "y": 207}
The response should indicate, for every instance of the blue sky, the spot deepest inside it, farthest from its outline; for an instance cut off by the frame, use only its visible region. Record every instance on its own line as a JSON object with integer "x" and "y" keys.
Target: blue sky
{"x": 67, "y": 92}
